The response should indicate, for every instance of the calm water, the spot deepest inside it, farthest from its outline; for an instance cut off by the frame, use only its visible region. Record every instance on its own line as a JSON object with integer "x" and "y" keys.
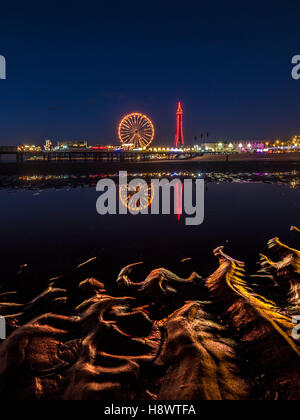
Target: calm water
{"x": 51, "y": 222}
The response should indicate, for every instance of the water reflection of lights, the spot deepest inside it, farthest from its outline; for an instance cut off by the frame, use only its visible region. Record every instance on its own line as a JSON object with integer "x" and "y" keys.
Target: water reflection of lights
{"x": 147, "y": 196}
{"x": 288, "y": 178}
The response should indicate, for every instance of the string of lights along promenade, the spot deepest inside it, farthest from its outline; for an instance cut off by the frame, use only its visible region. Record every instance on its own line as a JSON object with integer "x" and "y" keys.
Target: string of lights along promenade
{"x": 179, "y": 138}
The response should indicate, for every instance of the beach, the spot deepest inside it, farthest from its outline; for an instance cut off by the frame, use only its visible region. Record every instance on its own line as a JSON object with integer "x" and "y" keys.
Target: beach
{"x": 240, "y": 163}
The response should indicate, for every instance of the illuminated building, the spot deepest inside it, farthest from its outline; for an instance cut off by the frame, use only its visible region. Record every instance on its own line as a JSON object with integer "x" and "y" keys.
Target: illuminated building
{"x": 48, "y": 145}
{"x": 235, "y": 146}
{"x": 101, "y": 147}
{"x": 29, "y": 148}
{"x": 72, "y": 145}
{"x": 296, "y": 141}
{"x": 179, "y": 139}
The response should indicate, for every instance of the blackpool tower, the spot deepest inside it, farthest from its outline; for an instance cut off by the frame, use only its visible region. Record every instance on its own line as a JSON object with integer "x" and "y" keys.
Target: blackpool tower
{"x": 179, "y": 139}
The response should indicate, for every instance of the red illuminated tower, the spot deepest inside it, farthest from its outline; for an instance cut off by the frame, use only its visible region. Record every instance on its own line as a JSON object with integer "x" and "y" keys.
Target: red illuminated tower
{"x": 179, "y": 139}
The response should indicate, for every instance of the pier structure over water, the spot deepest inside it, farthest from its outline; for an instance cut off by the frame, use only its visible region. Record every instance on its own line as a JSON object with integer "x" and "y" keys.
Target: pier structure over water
{"x": 97, "y": 155}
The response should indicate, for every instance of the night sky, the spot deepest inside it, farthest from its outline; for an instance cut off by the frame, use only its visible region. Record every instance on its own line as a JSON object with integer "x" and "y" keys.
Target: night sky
{"x": 75, "y": 68}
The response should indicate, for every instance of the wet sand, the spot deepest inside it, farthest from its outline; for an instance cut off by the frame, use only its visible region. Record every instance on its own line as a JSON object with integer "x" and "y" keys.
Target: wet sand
{"x": 107, "y": 332}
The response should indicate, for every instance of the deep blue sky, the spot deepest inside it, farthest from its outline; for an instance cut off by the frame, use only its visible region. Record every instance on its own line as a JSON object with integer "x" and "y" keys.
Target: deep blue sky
{"x": 74, "y": 68}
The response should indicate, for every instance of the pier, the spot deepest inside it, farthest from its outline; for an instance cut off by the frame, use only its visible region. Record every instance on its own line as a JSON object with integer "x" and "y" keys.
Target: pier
{"x": 96, "y": 155}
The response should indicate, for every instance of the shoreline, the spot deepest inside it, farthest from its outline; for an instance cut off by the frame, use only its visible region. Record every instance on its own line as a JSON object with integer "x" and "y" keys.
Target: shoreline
{"x": 252, "y": 157}
{"x": 239, "y": 163}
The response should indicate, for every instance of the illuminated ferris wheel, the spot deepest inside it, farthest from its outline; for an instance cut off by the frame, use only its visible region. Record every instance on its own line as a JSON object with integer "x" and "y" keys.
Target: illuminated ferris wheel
{"x": 136, "y": 130}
